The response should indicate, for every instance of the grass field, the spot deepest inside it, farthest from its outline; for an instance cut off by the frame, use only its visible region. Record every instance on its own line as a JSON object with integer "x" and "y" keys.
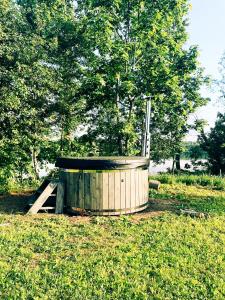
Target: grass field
{"x": 157, "y": 254}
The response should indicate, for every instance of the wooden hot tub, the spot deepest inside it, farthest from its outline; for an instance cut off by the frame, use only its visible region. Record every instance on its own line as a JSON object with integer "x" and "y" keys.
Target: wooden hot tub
{"x": 105, "y": 185}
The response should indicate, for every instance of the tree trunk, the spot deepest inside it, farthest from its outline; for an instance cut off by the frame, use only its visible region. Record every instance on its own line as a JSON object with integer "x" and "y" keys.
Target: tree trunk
{"x": 177, "y": 160}
{"x": 35, "y": 164}
{"x": 120, "y": 145}
{"x": 173, "y": 165}
{"x": 61, "y": 136}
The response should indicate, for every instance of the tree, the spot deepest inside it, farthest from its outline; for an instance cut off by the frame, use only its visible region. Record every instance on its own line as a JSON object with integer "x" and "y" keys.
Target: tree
{"x": 36, "y": 91}
{"x": 74, "y": 76}
{"x": 214, "y": 144}
{"x": 136, "y": 49}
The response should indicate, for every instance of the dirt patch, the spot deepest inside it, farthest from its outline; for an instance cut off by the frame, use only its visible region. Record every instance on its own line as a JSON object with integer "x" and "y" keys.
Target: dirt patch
{"x": 14, "y": 203}
{"x": 17, "y": 204}
{"x": 157, "y": 207}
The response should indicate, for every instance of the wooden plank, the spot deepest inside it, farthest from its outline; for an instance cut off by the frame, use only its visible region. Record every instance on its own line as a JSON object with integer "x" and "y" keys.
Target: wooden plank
{"x": 105, "y": 194}
{"x": 146, "y": 186}
{"x": 122, "y": 190}
{"x": 154, "y": 184}
{"x": 128, "y": 189}
{"x": 72, "y": 197}
{"x": 132, "y": 189}
{"x": 87, "y": 191}
{"x": 137, "y": 188}
{"x": 99, "y": 192}
{"x": 43, "y": 197}
{"x": 47, "y": 208}
{"x": 140, "y": 186}
{"x": 75, "y": 189}
{"x": 111, "y": 183}
{"x": 81, "y": 191}
{"x": 60, "y": 198}
{"x": 93, "y": 190}
{"x": 117, "y": 190}
{"x": 68, "y": 201}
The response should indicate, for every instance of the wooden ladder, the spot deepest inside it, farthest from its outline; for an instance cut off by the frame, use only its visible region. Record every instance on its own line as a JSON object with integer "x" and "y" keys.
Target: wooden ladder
{"x": 44, "y": 192}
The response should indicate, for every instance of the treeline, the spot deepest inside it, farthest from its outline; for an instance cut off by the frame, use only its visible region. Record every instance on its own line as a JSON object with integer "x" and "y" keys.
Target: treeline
{"x": 74, "y": 76}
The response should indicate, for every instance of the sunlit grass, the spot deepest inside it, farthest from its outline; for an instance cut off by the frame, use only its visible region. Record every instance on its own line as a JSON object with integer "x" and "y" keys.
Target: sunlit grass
{"x": 214, "y": 182}
{"x": 165, "y": 257}
{"x": 200, "y": 198}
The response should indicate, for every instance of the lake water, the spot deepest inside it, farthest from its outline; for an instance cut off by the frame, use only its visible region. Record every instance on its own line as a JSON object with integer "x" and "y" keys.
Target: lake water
{"x": 157, "y": 168}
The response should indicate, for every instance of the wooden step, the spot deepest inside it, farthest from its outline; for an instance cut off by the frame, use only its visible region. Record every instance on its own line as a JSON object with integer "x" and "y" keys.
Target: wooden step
{"x": 38, "y": 204}
{"x": 49, "y": 193}
{"x": 47, "y": 208}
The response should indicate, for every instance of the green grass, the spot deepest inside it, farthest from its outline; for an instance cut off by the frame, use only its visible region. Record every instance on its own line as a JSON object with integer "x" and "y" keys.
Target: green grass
{"x": 165, "y": 257}
{"x": 201, "y": 199}
{"x": 213, "y": 182}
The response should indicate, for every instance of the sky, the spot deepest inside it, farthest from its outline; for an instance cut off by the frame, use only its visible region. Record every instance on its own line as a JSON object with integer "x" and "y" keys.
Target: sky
{"x": 207, "y": 30}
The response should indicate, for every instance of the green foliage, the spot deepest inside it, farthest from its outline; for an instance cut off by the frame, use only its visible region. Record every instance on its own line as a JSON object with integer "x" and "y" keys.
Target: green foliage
{"x": 9, "y": 183}
{"x": 193, "y": 151}
{"x": 138, "y": 51}
{"x": 214, "y": 144}
{"x": 73, "y": 77}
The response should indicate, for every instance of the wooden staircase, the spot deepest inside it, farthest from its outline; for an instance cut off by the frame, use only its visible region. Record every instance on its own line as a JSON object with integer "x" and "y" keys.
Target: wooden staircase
{"x": 48, "y": 197}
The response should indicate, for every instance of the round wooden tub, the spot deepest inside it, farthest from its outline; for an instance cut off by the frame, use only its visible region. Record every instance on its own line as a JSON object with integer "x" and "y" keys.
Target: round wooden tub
{"x": 105, "y": 185}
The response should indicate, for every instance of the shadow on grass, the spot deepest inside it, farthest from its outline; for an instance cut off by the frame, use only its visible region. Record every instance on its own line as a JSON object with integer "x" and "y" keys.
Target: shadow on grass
{"x": 206, "y": 203}
{"x": 215, "y": 205}
{"x": 159, "y": 203}
{"x": 14, "y": 203}
{"x": 18, "y": 204}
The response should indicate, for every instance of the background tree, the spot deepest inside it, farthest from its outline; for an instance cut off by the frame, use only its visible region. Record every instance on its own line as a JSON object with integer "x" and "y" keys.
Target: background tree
{"x": 74, "y": 76}
{"x": 35, "y": 90}
{"x": 137, "y": 49}
{"x": 214, "y": 144}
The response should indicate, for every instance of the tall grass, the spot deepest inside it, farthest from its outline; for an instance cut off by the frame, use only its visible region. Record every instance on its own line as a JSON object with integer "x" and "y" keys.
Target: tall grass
{"x": 10, "y": 185}
{"x": 213, "y": 182}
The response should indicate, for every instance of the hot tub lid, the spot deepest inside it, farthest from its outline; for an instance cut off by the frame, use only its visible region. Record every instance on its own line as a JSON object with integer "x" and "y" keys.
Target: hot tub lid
{"x": 102, "y": 163}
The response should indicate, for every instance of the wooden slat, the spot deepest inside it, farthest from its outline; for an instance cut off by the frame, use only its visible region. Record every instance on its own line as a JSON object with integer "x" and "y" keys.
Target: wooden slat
{"x": 68, "y": 199}
{"x": 111, "y": 196}
{"x": 105, "y": 188}
{"x": 128, "y": 189}
{"x": 72, "y": 190}
{"x": 81, "y": 191}
{"x": 47, "y": 208}
{"x": 87, "y": 192}
{"x": 93, "y": 190}
{"x": 99, "y": 192}
{"x": 60, "y": 198}
{"x": 140, "y": 187}
{"x": 43, "y": 197}
{"x": 132, "y": 188}
{"x": 75, "y": 190}
{"x": 122, "y": 190}
{"x": 146, "y": 186}
{"x": 137, "y": 188}
{"x": 117, "y": 190}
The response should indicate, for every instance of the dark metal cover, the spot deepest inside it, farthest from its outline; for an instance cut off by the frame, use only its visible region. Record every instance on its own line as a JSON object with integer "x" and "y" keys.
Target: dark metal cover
{"x": 102, "y": 163}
